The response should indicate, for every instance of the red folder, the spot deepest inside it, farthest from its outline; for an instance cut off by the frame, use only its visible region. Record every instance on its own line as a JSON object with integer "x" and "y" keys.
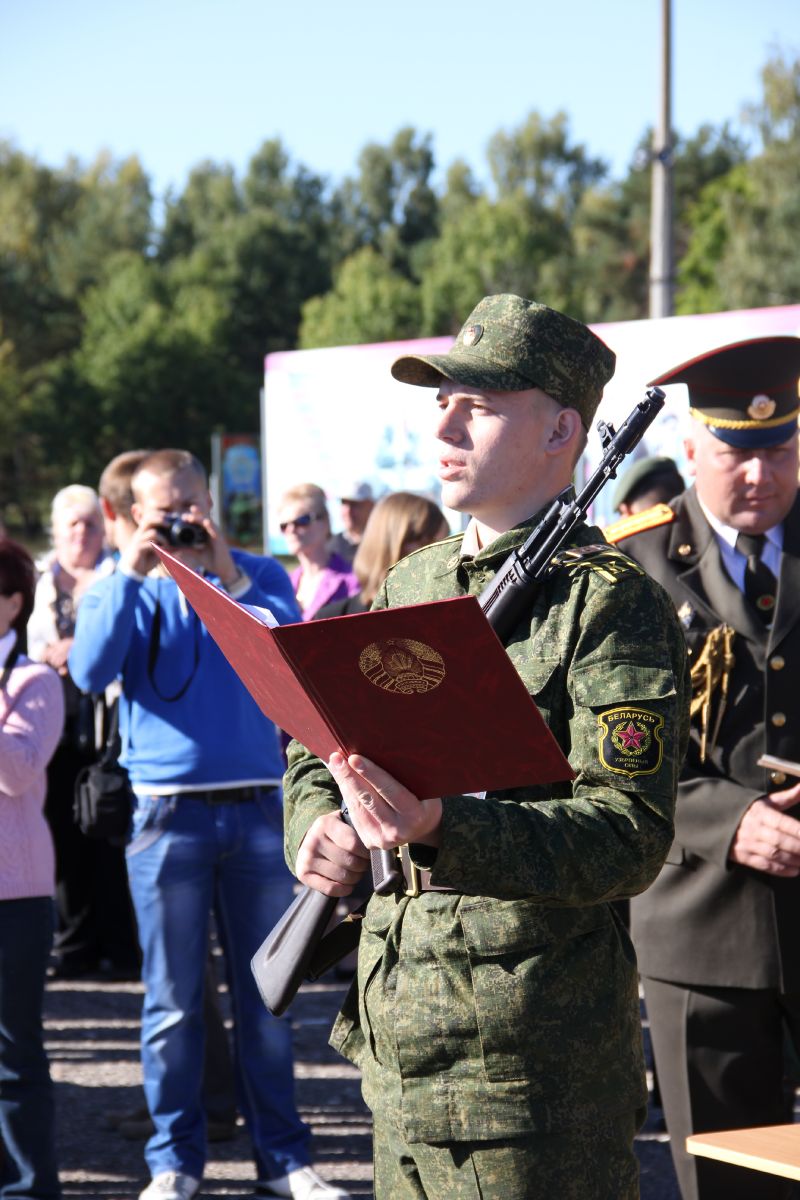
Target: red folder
{"x": 426, "y": 691}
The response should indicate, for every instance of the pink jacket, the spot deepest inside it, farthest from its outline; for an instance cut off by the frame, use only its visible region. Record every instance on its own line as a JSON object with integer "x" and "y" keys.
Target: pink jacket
{"x": 335, "y": 582}
{"x": 31, "y": 718}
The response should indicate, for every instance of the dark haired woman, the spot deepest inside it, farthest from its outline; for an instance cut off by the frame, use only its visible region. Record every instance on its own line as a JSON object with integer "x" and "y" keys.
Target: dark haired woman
{"x": 31, "y": 718}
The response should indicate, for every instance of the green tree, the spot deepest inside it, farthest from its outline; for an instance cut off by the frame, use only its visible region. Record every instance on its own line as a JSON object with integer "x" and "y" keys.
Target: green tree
{"x": 539, "y": 160}
{"x": 521, "y": 241}
{"x": 611, "y": 228}
{"x": 210, "y": 199}
{"x": 745, "y": 227}
{"x": 369, "y": 303}
{"x": 391, "y": 204}
{"x": 153, "y": 365}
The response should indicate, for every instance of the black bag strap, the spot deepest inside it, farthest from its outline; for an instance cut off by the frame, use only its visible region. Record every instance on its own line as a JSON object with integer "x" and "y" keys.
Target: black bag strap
{"x": 113, "y": 746}
{"x": 152, "y": 656}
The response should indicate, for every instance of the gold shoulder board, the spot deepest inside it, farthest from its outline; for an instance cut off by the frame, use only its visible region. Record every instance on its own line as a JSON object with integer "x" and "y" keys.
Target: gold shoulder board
{"x": 650, "y": 518}
{"x": 599, "y": 557}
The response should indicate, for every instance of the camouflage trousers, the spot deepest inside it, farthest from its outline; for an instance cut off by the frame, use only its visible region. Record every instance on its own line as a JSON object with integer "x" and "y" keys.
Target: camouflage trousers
{"x": 592, "y": 1162}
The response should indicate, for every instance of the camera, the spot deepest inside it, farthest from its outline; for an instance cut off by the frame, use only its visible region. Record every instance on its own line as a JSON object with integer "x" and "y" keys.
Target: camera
{"x": 182, "y": 533}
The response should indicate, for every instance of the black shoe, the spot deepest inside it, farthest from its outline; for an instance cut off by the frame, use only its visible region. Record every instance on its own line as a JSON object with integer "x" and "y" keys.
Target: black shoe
{"x": 119, "y": 972}
{"x": 73, "y": 969}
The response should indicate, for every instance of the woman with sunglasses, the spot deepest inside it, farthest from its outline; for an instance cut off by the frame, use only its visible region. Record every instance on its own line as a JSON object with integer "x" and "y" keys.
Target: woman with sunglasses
{"x": 320, "y": 576}
{"x": 31, "y": 719}
{"x": 399, "y": 524}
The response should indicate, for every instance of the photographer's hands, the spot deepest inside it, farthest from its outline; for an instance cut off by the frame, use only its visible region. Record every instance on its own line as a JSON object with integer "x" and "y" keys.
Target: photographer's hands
{"x": 214, "y": 556}
{"x": 138, "y": 557}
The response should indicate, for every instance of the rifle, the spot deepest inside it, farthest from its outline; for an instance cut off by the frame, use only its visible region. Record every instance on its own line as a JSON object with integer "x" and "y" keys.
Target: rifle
{"x": 299, "y": 946}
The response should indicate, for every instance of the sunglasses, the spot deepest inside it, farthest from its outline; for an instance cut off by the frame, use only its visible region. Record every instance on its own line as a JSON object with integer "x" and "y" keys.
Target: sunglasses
{"x": 301, "y": 522}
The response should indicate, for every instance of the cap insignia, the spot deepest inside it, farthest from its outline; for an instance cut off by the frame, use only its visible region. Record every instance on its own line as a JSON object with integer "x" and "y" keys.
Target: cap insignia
{"x": 761, "y": 408}
{"x": 472, "y": 334}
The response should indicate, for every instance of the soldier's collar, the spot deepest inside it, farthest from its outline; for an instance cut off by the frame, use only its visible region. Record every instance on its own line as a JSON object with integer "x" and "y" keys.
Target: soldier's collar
{"x": 502, "y": 545}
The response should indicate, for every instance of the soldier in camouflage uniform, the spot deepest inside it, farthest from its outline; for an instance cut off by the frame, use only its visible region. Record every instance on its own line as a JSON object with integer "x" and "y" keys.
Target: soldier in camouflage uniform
{"x": 495, "y": 1018}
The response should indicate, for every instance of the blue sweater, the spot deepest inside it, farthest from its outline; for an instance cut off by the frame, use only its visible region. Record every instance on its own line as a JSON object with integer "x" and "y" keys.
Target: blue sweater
{"x": 214, "y": 733}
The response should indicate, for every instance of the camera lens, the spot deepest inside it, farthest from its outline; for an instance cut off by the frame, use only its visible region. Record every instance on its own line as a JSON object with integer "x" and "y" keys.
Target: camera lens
{"x": 186, "y": 533}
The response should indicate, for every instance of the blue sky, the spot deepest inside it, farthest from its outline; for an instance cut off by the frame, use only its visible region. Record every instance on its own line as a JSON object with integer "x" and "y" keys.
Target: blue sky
{"x": 178, "y": 82}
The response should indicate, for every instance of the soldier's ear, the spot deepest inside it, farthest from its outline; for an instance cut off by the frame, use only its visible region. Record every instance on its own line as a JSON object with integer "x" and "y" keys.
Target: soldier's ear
{"x": 565, "y": 429}
{"x": 691, "y": 460}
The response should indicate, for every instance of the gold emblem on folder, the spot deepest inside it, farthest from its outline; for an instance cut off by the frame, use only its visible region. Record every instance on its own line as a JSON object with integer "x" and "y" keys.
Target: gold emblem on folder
{"x": 402, "y": 665}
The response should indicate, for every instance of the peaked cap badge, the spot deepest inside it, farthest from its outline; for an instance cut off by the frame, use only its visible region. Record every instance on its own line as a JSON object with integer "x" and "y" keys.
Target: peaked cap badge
{"x": 761, "y": 408}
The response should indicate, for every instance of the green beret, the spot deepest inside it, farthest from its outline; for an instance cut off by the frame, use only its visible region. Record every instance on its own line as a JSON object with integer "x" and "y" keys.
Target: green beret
{"x": 654, "y": 466}
{"x": 508, "y": 344}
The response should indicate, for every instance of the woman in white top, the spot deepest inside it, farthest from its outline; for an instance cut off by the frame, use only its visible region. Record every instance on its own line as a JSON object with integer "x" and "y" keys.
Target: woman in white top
{"x": 31, "y": 717}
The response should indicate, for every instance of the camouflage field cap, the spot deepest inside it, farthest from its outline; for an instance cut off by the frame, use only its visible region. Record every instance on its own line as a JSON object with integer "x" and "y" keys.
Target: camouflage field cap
{"x": 745, "y": 393}
{"x": 644, "y": 474}
{"x": 508, "y": 344}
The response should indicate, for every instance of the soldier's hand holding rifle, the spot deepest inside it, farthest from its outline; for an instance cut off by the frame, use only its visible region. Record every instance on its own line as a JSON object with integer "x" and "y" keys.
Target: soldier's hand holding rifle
{"x": 332, "y": 857}
{"x": 383, "y": 814}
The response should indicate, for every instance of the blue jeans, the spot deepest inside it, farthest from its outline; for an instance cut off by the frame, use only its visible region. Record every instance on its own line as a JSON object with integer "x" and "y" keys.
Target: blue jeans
{"x": 27, "y": 1126}
{"x": 185, "y": 857}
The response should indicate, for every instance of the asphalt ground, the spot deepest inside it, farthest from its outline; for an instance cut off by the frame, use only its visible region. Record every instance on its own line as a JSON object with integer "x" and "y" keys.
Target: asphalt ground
{"x": 92, "y": 1036}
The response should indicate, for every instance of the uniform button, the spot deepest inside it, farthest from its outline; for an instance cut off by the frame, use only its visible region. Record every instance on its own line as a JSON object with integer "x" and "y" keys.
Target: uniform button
{"x": 684, "y": 549}
{"x": 778, "y": 719}
{"x": 777, "y": 777}
{"x": 777, "y": 663}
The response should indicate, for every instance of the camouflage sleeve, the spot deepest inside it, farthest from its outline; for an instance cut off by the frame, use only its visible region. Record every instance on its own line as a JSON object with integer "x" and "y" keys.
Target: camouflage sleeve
{"x": 308, "y": 789}
{"x": 615, "y": 693}
{"x": 308, "y": 792}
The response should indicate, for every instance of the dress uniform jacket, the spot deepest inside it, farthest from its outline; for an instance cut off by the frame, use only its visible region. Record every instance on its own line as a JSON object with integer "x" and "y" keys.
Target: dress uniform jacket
{"x": 707, "y": 921}
{"x": 509, "y": 1004}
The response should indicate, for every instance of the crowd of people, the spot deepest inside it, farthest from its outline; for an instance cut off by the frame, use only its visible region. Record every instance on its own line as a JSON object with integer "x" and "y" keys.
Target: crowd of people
{"x": 494, "y": 1011}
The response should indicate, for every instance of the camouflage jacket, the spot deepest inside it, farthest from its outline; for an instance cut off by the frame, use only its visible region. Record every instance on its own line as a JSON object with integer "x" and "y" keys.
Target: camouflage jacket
{"x": 511, "y": 1004}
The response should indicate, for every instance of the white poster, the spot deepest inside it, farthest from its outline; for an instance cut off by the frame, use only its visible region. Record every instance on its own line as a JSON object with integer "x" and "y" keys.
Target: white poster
{"x": 332, "y": 416}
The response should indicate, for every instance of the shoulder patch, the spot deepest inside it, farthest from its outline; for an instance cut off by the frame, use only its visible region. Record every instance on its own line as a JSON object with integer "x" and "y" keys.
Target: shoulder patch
{"x": 650, "y": 518}
{"x": 607, "y": 562}
{"x": 630, "y": 741}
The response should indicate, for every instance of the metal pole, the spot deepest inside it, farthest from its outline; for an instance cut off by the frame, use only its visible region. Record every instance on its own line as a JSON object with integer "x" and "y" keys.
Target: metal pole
{"x": 661, "y": 254}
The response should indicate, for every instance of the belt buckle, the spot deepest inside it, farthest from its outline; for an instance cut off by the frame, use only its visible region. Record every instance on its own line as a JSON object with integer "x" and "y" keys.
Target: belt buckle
{"x": 410, "y": 872}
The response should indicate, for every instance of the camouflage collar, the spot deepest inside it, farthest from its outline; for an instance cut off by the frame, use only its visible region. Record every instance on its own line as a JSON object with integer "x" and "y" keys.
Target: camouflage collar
{"x": 501, "y": 547}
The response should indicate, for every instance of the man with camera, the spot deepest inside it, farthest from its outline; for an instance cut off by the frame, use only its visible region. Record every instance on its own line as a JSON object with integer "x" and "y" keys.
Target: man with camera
{"x": 206, "y": 834}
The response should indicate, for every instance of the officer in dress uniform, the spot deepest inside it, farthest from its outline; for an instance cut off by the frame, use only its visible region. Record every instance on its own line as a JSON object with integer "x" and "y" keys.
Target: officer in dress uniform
{"x": 717, "y": 933}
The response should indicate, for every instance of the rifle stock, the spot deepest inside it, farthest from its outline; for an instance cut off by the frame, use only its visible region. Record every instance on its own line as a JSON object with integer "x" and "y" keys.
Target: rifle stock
{"x": 297, "y": 947}
{"x": 282, "y": 961}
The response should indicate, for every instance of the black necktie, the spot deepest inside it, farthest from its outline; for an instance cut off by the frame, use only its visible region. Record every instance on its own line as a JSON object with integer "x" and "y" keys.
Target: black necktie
{"x": 760, "y": 585}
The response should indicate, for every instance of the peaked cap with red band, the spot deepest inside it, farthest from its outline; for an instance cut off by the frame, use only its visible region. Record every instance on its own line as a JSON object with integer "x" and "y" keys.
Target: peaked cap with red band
{"x": 747, "y": 392}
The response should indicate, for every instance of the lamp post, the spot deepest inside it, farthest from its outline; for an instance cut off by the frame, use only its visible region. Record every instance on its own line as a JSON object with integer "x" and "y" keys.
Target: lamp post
{"x": 662, "y": 281}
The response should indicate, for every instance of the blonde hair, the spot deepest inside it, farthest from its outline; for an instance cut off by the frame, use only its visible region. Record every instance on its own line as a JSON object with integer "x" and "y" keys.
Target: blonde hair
{"x": 395, "y": 520}
{"x": 311, "y": 493}
{"x": 74, "y": 496}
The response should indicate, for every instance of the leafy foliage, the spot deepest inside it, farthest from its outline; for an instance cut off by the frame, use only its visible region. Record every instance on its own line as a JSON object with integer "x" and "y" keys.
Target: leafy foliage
{"x": 118, "y": 329}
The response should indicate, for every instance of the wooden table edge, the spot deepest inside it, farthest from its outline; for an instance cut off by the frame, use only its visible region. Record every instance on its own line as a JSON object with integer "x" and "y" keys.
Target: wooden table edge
{"x": 707, "y": 1145}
